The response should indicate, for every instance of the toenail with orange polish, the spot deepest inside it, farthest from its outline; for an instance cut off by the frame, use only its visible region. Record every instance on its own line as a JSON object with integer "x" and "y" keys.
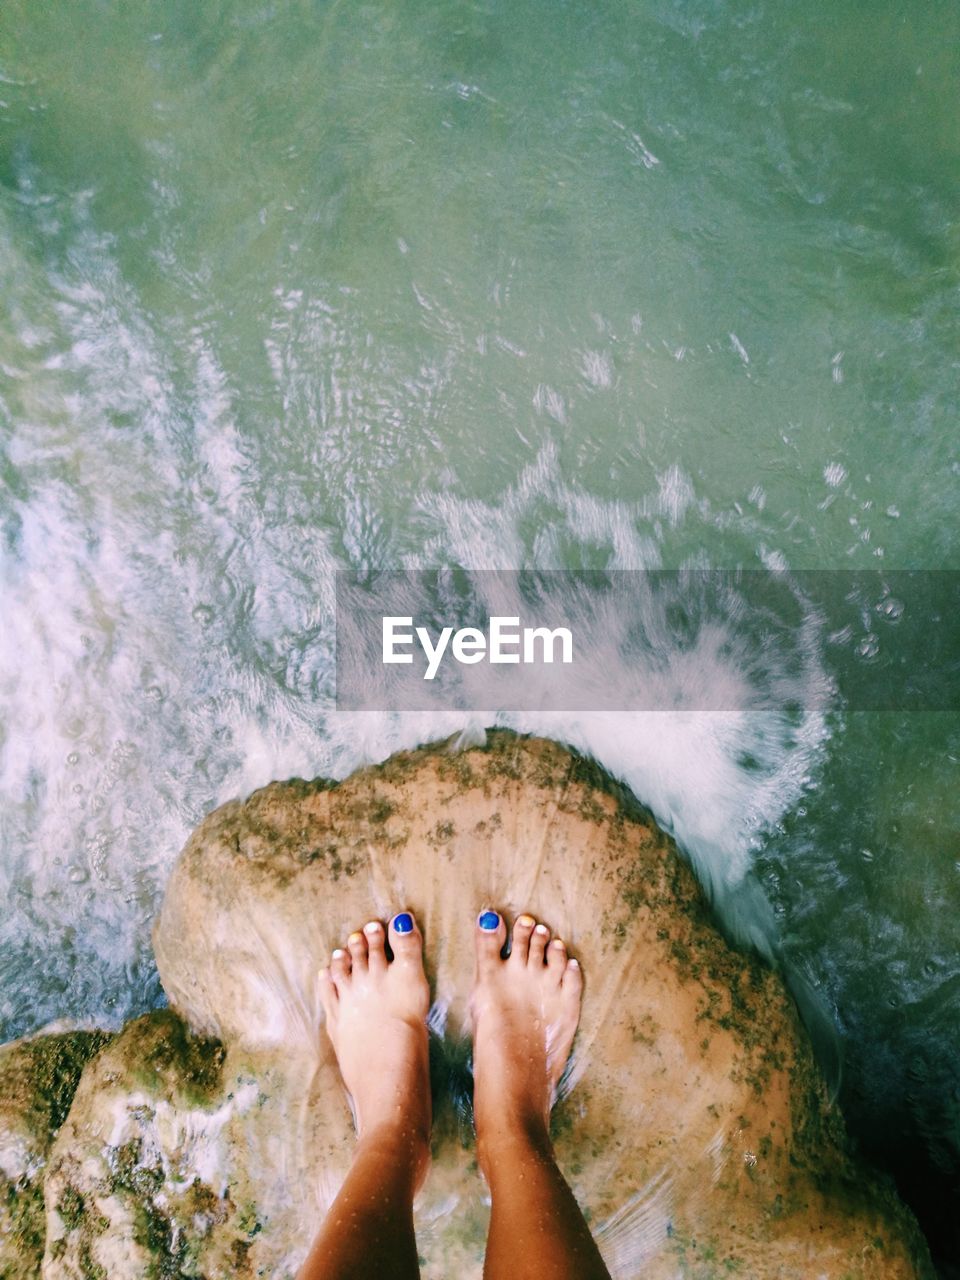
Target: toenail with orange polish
{"x": 526, "y": 920}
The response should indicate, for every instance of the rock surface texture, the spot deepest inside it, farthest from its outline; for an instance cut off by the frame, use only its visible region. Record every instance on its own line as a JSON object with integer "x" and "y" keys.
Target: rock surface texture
{"x": 207, "y": 1140}
{"x": 38, "y": 1081}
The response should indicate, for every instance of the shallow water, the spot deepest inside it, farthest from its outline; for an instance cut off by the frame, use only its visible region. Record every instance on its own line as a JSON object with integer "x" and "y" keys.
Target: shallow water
{"x": 293, "y": 288}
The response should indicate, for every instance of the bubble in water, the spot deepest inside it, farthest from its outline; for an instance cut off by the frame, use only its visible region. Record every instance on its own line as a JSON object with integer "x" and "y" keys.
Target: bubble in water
{"x": 77, "y": 874}
{"x": 890, "y": 609}
{"x": 73, "y": 757}
{"x": 868, "y": 648}
{"x": 202, "y": 614}
{"x": 866, "y": 855}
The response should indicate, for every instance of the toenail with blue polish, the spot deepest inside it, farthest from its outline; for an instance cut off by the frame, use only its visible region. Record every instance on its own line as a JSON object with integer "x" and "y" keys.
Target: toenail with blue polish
{"x": 489, "y": 920}
{"x": 403, "y": 923}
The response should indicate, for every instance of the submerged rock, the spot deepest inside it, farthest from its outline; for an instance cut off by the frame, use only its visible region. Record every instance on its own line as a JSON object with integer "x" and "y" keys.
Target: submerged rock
{"x": 695, "y": 1127}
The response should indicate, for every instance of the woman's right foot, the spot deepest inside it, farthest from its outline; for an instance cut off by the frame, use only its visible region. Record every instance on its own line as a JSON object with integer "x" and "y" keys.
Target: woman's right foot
{"x": 376, "y": 1017}
{"x": 525, "y": 1011}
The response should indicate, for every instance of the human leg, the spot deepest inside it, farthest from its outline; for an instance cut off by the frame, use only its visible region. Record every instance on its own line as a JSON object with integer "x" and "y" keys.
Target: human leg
{"x": 376, "y": 1012}
{"x": 525, "y": 1012}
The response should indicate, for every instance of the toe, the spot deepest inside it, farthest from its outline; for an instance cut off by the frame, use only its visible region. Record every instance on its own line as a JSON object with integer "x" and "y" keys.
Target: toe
{"x": 340, "y": 967}
{"x": 405, "y": 940}
{"x": 557, "y": 958}
{"x": 538, "y": 943}
{"x": 491, "y": 934}
{"x": 376, "y": 951}
{"x": 328, "y": 994}
{"x": 357, "y": 946}
{"x": 520, "y": 938}
{"x": 573, "y": 979}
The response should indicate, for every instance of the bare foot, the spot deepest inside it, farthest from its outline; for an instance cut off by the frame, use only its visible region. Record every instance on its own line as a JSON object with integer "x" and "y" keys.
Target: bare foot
{"x": 525, "y": 1011}
{"x": 376, "y": 1012}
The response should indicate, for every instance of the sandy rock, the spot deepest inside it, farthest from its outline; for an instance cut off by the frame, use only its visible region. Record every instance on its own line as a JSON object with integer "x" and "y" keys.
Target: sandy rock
{"x": 696, "y": 1131}
{"x": 38, "y": 1079}
{"x": 147, "y": 1176}
{"x": 695, "y": 1127}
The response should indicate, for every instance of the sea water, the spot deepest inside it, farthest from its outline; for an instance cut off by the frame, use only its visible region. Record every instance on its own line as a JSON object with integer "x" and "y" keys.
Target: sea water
{"x": 296, "y": 287}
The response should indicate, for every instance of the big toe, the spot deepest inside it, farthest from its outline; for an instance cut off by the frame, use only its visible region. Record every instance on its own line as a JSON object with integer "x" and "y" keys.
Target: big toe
{"x": 491, "y": 934}
{"x": 406, "y": 942}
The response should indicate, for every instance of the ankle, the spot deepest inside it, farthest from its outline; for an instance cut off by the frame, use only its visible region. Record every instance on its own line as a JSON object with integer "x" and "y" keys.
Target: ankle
{"x": 510, "y": 1139}
{"x": 515, "y": 1106}
{"x": 393, "y": 1104}
{"x": 399, "y": 1116}
{"x": 403, "y": 1146}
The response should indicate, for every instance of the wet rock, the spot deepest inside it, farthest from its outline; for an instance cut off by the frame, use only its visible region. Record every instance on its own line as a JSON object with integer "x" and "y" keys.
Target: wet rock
{"x": 696, "y": 1131}
{"x": 147, "y": 1176}
{"x": 38, "y": 1079}
{"x": 695, "y": 1127}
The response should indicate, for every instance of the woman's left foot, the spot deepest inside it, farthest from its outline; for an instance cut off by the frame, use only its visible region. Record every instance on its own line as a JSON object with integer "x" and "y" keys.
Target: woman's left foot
{"x": 376, "y": 1010}
{"x": 525, "y": 1013}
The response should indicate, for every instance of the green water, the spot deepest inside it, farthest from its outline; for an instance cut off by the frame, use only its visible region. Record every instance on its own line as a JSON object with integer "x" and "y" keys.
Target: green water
{"x": 290, "y": 287}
